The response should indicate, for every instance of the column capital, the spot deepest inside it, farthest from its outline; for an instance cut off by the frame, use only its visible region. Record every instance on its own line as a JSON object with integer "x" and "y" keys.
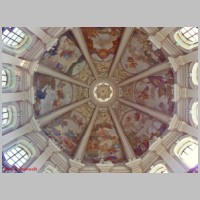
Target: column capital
{"x": 49, "y": 41}
{"x": 32, "y": 66}
{"x": 53, "y": 147}
{"x": 176, "y": 62}
{"x": 33, "y": 125}
{"x": 76, "y": 166}
{"x": 157, "y": 146}
{"x": 183, "y": 59}
{"x": 134, "y": 165}
{"x": 175, "y": 123}
{"x": 105, "y": 167}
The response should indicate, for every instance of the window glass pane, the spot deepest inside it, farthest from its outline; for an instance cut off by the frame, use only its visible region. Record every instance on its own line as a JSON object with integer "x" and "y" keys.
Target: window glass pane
{"x": 3, "y": 72}
{"x": 5, "y": 109}
{"x": 10, "y": 35}
{"x": 14, "y": 37}
{"x": 17, "y": 149}
{"x": 11, "y": 162}
{"x": 5, "y": 40}
{"x": 22, "y": 35}
{"x": 22, "y": 152}
{"x": 20, "y": 163}
{"x": 14, "y": 158}
{"x": 26, "y": 157}
{"x": 5, "y": 115}
{"x": 23, "y": 160}
{"x": 18, "y": 40}
{"x": 15, "y": 29}
{"x": 14, "y": 43}
{"x": 6, "y": 156}
{"x": 4, "y": 78}
{"x": 4, "y": 122}
{"x": 9, "y": 42}
{"x": 6, "y": 32}
{"x": 3, "y": 84}
{"x": 10, "y": 153}
{"x": 14, "y": 151}
{"x": 19, "y": 155}
{"x": 18, "y": 32}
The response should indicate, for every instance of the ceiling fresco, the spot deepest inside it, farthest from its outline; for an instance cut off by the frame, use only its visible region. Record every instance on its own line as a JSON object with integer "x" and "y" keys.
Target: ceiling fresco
{"x": 104, "y": 143}
{"x": 102, "y": 45}
{"x": 139, "y": 127}
{"x": 139, "y": 55}
{"x": 66, "y": 131}
{"x": 154, "y": 91}
{"x": 52, "y": 94}
{"x": 66, "y": 56}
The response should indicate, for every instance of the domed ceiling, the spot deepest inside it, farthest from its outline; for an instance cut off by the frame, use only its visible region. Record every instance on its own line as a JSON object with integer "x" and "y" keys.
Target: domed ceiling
{"x": 153, "y": 91}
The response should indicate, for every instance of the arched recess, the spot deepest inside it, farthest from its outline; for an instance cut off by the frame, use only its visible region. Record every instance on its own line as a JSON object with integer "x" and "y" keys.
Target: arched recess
{"x": 16, "y": 40}
{"x": 9, "y": 117}
{"x": 12, "y": 152}
{"x": 193, "y": 112}
{"x": 186, "y": 151}
{"x": 158, "y": 167}
{"x": 187, "y": 38}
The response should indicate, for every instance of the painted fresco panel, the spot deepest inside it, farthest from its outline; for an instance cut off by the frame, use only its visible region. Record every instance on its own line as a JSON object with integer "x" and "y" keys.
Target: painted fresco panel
{"x": 104, "y": 143}
{"x": 156, "y": 92}
{"x": 50, "y": 94}
{"x": 102, "y": 42}
{"x": 141, "y": 129}
{"x": 66, "y": 131}
{"x": 65, "y": 56}
{"x": 140, "y": 54}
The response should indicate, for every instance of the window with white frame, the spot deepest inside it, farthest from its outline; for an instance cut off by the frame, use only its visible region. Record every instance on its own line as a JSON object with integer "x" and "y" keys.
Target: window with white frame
{"x": 17, "y": 156}
{"x": 187, "y": 151}
{"x": 190, "y": 34}
{"x": 159, "y": 168}
{"x": 195, "y": 74}
{"x": 187, "y": 37}
{"x": 4, "y": 78}
{"x": 6, "y": 116}
{"x": 194, "y": 112}
{"x": 13, "y": 37}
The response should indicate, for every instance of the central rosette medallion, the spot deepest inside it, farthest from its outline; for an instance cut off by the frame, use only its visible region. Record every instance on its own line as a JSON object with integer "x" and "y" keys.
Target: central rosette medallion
{"x": 103, "y": 92}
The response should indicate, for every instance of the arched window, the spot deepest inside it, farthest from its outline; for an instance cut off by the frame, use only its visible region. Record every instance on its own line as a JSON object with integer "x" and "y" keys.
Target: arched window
{"x": 187, "y": 37}
{"x": 17, "y": 156}
{"x": 187, "y": 151}
{"x": 194, "y": 112}
{"x": 159, "y": 168}
{"x": 6, "y": 116}
{"x": 4, "y": 78}
{"x": 13, "y": 37}
{"x": 195, "y": 74}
